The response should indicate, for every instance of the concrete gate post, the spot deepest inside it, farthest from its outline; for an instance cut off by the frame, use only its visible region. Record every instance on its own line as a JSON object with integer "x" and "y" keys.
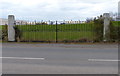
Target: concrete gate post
{"x": 106, "y": 29}
{"x": 11, "y": 31}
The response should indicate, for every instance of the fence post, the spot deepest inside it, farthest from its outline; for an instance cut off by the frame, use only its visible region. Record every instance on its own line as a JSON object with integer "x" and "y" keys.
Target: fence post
{"x": 11, "y": 30}
{"x": 56, "y": 37}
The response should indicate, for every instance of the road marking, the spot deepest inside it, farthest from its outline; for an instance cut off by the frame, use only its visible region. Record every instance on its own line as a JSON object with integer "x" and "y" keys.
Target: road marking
{"x": 23, "y": 58}
{"x": 105, "y": 60}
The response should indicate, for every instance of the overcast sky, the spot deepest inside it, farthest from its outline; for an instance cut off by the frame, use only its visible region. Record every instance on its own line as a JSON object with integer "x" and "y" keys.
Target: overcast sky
{"x": 56, "y": 9}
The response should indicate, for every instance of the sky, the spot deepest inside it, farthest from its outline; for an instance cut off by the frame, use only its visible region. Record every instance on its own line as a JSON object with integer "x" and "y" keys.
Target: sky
{"x": 56, "y": 9}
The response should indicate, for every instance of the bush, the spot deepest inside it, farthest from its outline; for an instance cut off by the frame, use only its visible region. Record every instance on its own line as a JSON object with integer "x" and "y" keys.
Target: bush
{"x": 99, "y": 24}
{"x": 4, "y": 33}
{"x": 18, "y": 34}
{"x": 114, "y": 32}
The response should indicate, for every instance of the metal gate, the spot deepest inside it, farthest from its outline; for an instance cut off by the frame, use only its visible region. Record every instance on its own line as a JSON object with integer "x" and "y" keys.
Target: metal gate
{"x": 57, "y": 31}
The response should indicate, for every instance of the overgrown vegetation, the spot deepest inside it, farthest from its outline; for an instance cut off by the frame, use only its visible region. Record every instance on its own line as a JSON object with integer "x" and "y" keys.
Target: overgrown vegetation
{"x": 99, "y": 24}
{"x": 115, "y": 31}
{"x": 18, "y": 34}
{"x": 4, "y": 32}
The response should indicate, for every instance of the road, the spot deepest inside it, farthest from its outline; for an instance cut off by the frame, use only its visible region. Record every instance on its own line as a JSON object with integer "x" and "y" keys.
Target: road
{"x": 59, "y": 59}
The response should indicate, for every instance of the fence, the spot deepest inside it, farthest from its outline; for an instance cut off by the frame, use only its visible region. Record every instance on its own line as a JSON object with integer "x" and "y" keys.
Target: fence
{"x": 57, "y": 32}
{"x": 79, "y": 32}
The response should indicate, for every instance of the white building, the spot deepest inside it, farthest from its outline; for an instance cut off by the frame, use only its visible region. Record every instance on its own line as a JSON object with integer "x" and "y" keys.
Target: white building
{"x": 3, "y": 21}
{"x": 18, "y": 22}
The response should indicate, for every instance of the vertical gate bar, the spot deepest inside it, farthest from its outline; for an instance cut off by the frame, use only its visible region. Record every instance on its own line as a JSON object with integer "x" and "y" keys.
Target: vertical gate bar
{"x": 70, "y": 30}
{"x": 28, "y": 27}
{"x": 56, "y": 33}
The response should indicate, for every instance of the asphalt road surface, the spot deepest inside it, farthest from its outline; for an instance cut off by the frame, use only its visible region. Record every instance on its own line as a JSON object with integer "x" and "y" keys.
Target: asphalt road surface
{"x": 59, "y": 58}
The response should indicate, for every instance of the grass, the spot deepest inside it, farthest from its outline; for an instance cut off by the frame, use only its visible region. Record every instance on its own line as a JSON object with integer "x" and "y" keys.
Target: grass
{"x": 61, "y": 36}
{"x": 38, "y": 36}
{"x": 66, "y": 27}
{"x": 0, "y": 27}
{"x": 116, "y": 23}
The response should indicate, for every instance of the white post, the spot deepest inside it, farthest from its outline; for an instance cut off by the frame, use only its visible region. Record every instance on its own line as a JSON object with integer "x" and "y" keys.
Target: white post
{"x": 11, "y": 31}
{"x": 106, "y": 30}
